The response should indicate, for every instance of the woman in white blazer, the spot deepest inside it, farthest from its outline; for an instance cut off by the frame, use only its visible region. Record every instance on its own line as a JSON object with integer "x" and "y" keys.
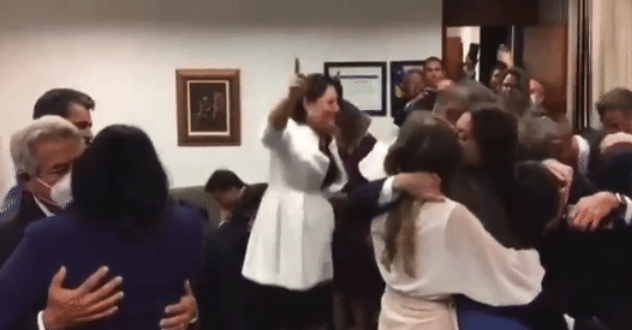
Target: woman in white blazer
{"x": 289, "y": 257}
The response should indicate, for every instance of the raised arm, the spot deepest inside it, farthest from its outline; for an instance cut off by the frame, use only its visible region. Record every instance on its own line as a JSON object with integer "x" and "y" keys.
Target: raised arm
{"x": 279, "y": 116}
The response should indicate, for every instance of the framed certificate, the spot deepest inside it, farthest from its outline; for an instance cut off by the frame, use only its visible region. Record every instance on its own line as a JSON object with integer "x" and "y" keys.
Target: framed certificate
{"x": 363, "y": 84}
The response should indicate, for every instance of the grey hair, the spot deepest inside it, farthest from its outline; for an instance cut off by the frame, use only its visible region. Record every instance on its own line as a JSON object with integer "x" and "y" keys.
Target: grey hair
{"x": 538, "y": 134}
{"x": 463, "y": 96}
{"x": 44, "y": 128}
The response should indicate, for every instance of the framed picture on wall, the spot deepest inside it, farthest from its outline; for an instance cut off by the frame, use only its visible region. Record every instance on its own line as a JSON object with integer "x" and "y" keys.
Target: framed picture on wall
{"x": 363, "y": 84}
{"x": 405, "y": 76}
{"x": 208, "y": 107}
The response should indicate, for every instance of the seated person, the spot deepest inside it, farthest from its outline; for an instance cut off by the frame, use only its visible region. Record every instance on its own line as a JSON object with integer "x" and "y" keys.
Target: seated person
{"x": 223, "y": 289}
{"x": 226, "y": 188}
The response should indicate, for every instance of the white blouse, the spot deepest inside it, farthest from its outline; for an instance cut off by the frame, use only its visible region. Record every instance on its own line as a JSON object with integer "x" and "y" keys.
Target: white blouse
{"x": 456, "y": 255}
{"x": 290, "y": 242}
{"x": 372, "y": 166}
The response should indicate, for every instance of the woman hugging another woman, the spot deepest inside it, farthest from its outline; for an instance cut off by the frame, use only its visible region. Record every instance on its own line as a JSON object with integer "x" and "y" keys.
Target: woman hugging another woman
{"x": 432, "y": 253}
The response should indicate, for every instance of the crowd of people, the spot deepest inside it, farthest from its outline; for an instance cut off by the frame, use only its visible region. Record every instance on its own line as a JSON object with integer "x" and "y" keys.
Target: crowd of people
{"x": 488, "y": 211}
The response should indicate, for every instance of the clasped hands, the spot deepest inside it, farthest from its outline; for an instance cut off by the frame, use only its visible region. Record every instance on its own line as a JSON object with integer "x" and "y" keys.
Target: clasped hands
{"x": 591, "y": 212}
{"x": 71, "y": 308}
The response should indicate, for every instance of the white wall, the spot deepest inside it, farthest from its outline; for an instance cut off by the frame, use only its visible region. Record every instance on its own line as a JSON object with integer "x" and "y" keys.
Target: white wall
{"x": 125, "y": 55}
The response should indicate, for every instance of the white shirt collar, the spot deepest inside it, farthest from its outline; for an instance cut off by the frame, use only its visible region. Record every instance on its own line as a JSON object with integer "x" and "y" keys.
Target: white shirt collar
{"x": 43, "y": 207}
{"x": 583, "y": 154}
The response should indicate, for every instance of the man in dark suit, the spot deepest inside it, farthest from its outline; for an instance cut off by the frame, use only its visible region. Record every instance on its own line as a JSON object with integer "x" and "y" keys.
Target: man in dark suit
{"x": 615, "y": 110}
{"x": 20, "y": 207}
{"x": 72, "y": 105}
{"x": 433, "y": 75}
{"x": 43, "y": 153}
{"x": 227, "y": 188}
{"x": 223, "y": 296}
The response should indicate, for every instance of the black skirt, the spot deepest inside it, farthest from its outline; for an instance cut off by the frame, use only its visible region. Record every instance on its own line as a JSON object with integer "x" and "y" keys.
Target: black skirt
{"x": 270, "y": 307}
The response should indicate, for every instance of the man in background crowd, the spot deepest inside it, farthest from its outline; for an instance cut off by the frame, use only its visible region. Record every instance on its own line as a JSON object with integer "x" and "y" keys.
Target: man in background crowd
{"x": 514, "y": 92}
{"x": 496, "y": 79}
{"x": 73, "y": 105}
{"x": 536, "y": 90}
{"x": 434, "y": 80}
{"x": 615, "y": 110}
{"x": 433, "y": 72}
{"x": 227, "y": 189}
{"x": 537, "y": 94}
{"x": 412, "y": 85}
{"x": 70, "y": 104}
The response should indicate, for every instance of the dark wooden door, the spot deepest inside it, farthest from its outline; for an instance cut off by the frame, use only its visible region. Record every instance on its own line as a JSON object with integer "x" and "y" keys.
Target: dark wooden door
{"x": 453, "y": 57}
{"x": 546, "y": 60}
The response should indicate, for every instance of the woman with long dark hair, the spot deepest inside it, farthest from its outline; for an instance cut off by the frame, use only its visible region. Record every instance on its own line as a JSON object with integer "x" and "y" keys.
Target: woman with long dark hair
{"x": 488, "y": 186}
{"x": 488, "y": 138}
{"x": 289, "y": 255}
{"x": 428, "y": 252}
{"x": 121, "y": 217}
{"x": 514, "y": 92}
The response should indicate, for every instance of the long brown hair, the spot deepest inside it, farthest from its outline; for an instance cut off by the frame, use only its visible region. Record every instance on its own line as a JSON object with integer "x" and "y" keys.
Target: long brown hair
{"x": 430, "y": 148}
{"x": 353, "y": 126}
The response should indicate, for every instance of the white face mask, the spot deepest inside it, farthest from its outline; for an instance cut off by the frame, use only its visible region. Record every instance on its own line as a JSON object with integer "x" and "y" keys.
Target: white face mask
{"x": 61, "y": 192}
{"x": 535, "y": 99}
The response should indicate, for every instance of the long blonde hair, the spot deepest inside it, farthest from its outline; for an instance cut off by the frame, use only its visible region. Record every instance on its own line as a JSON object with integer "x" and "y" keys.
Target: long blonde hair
{"x": 401, "y": 230}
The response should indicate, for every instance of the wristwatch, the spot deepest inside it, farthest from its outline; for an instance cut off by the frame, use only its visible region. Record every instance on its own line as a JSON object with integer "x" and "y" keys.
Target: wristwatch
{"x": 621, "y": 208}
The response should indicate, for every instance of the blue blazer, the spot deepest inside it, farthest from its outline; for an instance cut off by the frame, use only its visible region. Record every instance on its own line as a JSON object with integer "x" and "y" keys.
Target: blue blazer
{"x": 154, "y": 266}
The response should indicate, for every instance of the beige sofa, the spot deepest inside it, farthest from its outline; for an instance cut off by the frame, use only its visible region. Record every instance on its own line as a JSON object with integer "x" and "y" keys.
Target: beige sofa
{"x": 197, "y": 196}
